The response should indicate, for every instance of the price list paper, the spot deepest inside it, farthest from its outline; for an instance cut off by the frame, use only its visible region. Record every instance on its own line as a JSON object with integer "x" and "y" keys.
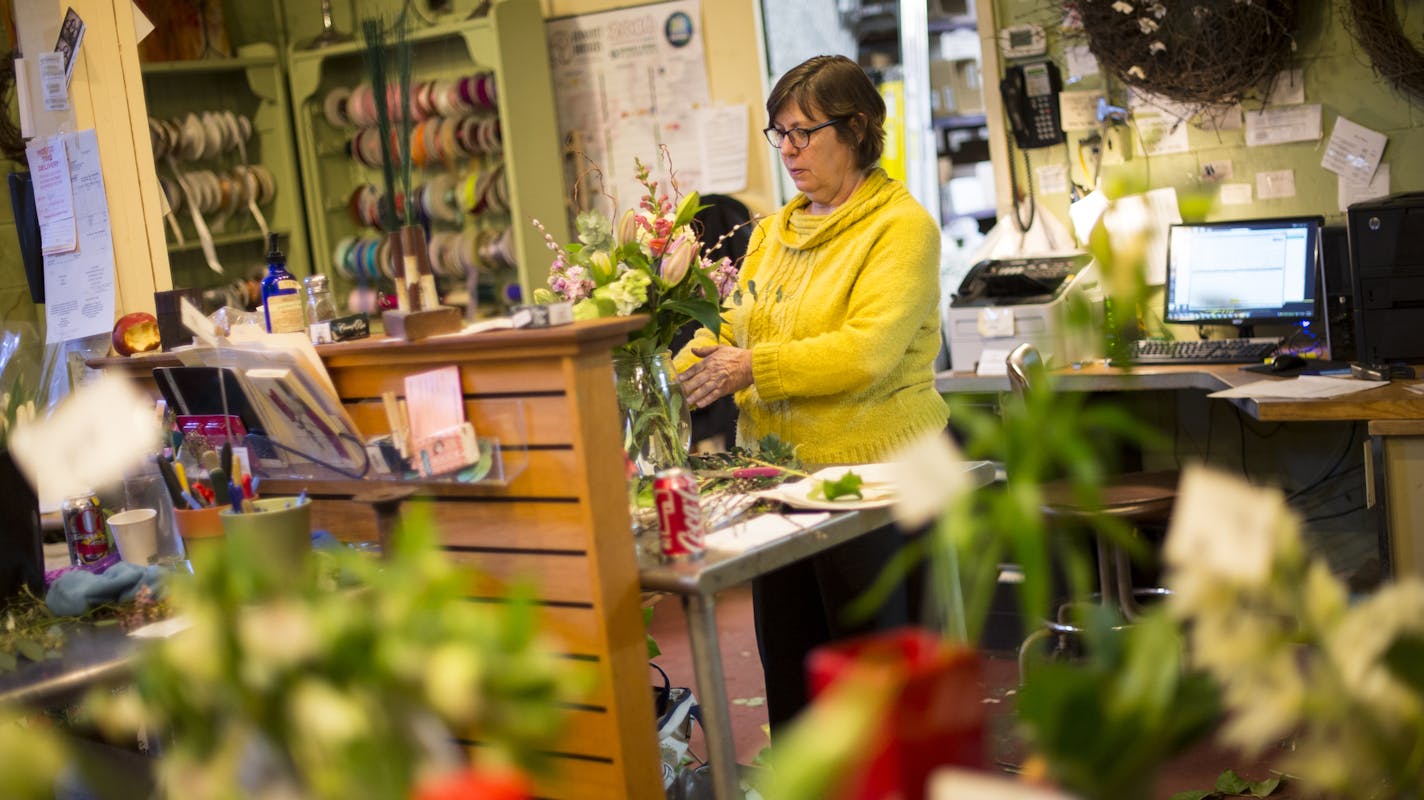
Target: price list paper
{"x": 79, "y": 284}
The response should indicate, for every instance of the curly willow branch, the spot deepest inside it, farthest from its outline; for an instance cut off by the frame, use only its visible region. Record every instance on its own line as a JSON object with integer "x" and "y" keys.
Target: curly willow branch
{"x": 1377, "y": 30}
{"x": 1203, "y": 53}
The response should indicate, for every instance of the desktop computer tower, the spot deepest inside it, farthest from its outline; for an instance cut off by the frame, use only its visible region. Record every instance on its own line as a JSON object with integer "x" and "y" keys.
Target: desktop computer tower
{"x": 1387, "y": 278}
{"x": 1337, "y": 299}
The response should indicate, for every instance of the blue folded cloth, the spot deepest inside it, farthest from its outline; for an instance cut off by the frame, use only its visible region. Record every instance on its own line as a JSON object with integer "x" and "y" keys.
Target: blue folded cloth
{"x": 78, "y": 592}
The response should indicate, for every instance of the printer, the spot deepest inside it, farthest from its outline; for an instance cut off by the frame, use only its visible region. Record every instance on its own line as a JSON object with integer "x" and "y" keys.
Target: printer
{"x": 1387, "y": 277}
{"x": 1002, "y": 303}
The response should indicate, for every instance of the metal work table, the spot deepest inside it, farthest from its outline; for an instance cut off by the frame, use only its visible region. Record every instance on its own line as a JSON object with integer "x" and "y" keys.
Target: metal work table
{"x": 92, "y": 655}
{"x": 698, "y": 582}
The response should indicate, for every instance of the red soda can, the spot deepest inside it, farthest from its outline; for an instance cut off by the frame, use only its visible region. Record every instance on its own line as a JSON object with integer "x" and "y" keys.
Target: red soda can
{"x": 84, "y": 531}
{"x": 684, "y": 532}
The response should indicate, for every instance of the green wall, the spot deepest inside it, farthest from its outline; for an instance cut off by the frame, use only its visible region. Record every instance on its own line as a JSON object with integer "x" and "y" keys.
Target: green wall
{"x": 1337, "y": 76}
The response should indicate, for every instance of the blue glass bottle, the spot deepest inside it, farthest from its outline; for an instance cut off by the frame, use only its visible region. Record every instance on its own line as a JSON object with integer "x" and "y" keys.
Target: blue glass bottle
{"x": 281, "y": 293}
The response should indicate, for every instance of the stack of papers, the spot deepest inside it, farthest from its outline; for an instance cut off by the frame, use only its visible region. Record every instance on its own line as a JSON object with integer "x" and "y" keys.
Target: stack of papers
{"x": 1305, "y": 387}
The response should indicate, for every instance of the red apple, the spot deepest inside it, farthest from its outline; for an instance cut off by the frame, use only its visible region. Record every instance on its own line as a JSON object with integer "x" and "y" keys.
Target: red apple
{"x": 136, "y": 333}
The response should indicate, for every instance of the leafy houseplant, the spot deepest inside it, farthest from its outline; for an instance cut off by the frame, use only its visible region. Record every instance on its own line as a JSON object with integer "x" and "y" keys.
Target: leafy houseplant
{"x": 651, "y": 262}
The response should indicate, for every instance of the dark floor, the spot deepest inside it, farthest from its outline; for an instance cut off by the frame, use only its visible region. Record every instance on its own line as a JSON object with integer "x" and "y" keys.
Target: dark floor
{"x": 1196, "y": 769}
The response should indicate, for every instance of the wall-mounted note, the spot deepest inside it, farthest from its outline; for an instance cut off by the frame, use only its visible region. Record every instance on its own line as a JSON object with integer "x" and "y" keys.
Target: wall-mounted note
{"x": 1281, "y": 125}
{"x": 1353, "y": 151}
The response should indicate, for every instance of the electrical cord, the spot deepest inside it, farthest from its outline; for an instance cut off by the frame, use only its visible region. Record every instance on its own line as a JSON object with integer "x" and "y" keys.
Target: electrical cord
{"x": 1329, "y": 473}
{"x": 1032, "y": 201}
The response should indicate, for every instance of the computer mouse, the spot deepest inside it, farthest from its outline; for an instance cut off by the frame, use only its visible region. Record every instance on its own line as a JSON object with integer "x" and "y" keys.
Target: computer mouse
{"x": 1286, "y": 362}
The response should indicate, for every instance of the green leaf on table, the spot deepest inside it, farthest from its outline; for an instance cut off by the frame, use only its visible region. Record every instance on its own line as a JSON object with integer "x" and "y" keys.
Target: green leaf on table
{"x": 653, "y": 650}
{"x": 847, "y": 485}
{"x": 1230, "y": 783}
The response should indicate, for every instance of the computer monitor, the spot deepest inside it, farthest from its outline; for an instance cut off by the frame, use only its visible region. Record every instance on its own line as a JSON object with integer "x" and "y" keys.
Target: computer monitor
{"x": 1243, "y": 271}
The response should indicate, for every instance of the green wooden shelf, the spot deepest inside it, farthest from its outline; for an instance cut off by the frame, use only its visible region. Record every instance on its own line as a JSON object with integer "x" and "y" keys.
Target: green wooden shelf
{"x": 224, "y": 240}
{"x": 509, "y": 43}
{"x": 208, "y": 66}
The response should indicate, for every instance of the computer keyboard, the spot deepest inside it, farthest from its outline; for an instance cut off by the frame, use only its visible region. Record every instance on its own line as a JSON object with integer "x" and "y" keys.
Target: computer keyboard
{"x": 1203, "y": 351}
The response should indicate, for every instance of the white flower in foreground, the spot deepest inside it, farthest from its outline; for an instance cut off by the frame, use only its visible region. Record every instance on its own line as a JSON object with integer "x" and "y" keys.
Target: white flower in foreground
{"x": 1137, "y": 72}
{"x": 1156, "y": 47}
{"x": 326, "y": 716}
{"x": 1225, "y": 528}
{"x": 1122, "y": 7}
{"x": 1358, "y": 644}
{"x": 929, "y": 475}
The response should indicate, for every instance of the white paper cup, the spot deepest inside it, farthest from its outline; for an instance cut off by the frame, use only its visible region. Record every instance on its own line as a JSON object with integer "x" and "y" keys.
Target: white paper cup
{"x": 136, "y": 534}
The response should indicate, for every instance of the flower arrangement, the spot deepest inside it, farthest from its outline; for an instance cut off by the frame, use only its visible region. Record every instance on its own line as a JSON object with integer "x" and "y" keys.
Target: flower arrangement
{"x": 348, "y": 685}
{"x": 652, "y": 262}
{"x": 1296, "y": 660}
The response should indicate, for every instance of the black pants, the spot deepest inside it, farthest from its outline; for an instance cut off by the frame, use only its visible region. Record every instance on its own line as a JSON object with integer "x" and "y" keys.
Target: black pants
{"x": 801, "y": 606}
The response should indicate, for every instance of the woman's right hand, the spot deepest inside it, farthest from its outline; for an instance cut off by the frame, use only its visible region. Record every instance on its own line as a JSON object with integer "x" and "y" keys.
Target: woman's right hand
{"x": 722, "y": 371}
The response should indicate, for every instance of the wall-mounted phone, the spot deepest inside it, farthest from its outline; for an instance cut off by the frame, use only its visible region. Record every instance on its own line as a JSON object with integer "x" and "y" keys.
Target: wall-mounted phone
{"x": 1031, "y": 100}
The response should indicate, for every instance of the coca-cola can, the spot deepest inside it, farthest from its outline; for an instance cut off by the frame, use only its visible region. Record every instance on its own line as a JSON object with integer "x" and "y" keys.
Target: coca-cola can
{"x": 684, "y": 532}
{"x": 84, "y": 529}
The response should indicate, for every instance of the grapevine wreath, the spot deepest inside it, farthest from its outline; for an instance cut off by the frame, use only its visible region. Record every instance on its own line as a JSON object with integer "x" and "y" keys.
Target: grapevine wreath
{"x": 1197, "y": 52}
{"x": 1377, "y": 30}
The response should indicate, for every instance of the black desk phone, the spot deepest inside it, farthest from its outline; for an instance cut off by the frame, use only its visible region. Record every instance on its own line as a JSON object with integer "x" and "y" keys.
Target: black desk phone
{"x": 1018, "y": 281}
{"x": 1031, "y": 100}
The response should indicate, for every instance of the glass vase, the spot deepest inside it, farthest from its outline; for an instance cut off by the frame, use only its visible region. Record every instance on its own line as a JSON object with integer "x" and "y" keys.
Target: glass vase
{"x": 657, "y": 424}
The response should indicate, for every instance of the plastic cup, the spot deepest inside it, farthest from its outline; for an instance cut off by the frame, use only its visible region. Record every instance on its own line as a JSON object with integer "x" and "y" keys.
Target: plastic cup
{"x": 277, "y": 530}
{"x": 136, "y": 534}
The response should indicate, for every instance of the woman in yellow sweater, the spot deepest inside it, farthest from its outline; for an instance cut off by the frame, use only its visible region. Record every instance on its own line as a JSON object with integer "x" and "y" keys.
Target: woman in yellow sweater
{"x": 832, "y": 345}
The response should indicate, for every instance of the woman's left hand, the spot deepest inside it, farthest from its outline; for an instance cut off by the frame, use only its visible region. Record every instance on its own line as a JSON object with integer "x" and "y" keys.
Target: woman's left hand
{"x": 722, "y": 371}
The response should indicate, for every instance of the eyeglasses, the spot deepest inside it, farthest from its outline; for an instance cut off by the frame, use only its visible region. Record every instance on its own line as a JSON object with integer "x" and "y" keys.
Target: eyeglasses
{"x": 800, "y": 137}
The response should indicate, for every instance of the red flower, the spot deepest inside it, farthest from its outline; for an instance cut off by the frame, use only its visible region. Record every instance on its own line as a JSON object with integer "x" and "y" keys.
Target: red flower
{"x": 473, "y": 783}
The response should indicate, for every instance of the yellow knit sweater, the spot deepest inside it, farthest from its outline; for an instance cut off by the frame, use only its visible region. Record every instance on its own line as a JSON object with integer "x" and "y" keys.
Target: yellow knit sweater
{"x": 843, "y": 326}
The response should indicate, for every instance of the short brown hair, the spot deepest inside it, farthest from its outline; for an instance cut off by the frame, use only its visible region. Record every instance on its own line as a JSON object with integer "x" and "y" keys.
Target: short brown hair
{"x": 837, "y": 87}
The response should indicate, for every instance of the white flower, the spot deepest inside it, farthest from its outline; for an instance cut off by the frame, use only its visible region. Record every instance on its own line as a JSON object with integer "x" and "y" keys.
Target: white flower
{"x": 929, "y": 475}
{"x": 1146, "y": 25}
{"x": 1357, "y": 646}
{"x": 1158, "y": 10}
{"x": 1225, "y": 527}
{"x": 326, "y": 716}
{"x": 1156, "y": 47}
{"x": 452, "y": 681}
{"x": 1137, "y": 72}
{"x": 274, "y": 638}
{"x": 1123, "y": 7}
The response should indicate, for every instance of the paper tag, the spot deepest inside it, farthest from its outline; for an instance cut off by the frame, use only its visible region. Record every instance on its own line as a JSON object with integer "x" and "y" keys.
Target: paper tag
{"x": 54, "y": 196}
{"x": 1351, "y": 193}
{"x": 993, "y": 361}
{"x": 1052, "y": 178}
{"x": 1235, "y": 194}
{"x": 1353, "y": 151}
{"x": 1079, "y": 110}
{"x": 1275, "y": 185}
{"x": 1280, "y": 125}
{"x": 1081, "y": 62}
{"x": 996, "y": 322}
{"x": 53, "y": 87}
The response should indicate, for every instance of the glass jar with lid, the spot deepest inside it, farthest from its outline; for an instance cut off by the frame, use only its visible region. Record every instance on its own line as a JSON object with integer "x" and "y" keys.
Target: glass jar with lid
{"x": 320, "y": 309}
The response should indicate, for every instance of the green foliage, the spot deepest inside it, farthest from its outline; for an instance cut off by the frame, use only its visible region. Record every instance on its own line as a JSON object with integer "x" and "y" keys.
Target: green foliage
{"x": 346, "y": 684}
{"x": 846, "y": 486}
{"x": 653, "y": 650}
{"x": 1106, "y": 723}
{"x": 1229, "y": 784}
